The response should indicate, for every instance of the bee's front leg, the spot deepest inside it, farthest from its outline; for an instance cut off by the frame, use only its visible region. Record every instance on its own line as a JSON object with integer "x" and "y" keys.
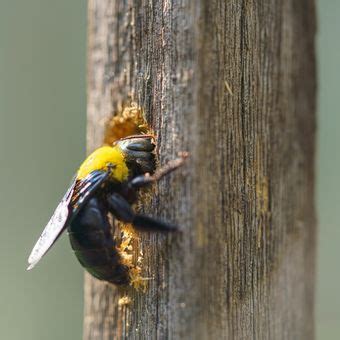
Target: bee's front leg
{"x": 122, "y": 210}
{"x": 147, "y": 179}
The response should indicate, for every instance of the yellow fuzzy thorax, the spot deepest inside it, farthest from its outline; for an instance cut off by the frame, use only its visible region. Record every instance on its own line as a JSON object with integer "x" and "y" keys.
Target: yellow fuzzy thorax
{"x": 101, "y": 158}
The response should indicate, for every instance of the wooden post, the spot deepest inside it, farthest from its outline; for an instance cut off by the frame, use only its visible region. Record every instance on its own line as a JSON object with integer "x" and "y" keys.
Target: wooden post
{"x": 233, "y": 83}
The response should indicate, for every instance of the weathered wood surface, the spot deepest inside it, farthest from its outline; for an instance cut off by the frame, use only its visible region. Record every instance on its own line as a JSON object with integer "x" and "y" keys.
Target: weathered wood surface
{"x": 233, "y": 83}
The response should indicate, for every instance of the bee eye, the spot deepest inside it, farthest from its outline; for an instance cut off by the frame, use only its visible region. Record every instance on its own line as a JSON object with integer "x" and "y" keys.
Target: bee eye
{"x": 137, "y": 143}
{"x": 141, "y": 145}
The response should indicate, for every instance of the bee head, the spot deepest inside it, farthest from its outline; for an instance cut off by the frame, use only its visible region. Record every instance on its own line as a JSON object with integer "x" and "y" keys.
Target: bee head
{"x": 139, "y": 153}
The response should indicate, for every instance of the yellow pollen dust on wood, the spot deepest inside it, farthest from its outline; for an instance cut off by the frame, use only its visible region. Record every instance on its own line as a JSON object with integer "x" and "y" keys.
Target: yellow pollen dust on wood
{"x": 129, "y": 121}
{"x": 129, "y": 244}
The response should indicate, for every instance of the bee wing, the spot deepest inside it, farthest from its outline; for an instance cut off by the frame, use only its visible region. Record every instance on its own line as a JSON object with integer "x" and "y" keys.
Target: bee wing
{"x": 84, "y": 189}
{"x": 76, "y": 196}
{"x": 52, "y": 230}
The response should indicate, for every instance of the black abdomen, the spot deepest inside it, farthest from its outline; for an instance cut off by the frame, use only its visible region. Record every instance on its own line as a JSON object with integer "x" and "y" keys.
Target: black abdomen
{"x": 92, "y": 240}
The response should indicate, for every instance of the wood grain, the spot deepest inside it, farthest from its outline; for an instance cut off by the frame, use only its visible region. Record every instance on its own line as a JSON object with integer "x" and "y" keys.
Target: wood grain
{"x": 233, "y": 83}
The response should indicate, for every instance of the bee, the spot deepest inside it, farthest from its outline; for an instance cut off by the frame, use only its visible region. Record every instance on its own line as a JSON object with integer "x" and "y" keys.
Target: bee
{"x": 106, "y": 183}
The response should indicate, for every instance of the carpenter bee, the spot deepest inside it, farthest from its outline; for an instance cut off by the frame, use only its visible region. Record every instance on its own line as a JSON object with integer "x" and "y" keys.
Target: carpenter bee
{"x": 106, "y": 182}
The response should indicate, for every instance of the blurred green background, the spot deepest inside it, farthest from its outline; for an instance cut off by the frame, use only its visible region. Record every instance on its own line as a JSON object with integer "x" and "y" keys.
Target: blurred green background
{"x": 42, "y": 141}
{"x": 328, "y": 170}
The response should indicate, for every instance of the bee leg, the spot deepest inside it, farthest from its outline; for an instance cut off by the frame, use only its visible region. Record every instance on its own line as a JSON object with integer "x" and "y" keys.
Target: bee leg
{"x": 147, "y": 179}
{"x": 146, "y": 223}
{"x": 122, "y": 210}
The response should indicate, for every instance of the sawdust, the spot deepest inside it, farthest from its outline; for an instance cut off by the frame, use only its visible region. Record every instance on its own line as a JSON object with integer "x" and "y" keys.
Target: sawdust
{"x": 130, "y": 121}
